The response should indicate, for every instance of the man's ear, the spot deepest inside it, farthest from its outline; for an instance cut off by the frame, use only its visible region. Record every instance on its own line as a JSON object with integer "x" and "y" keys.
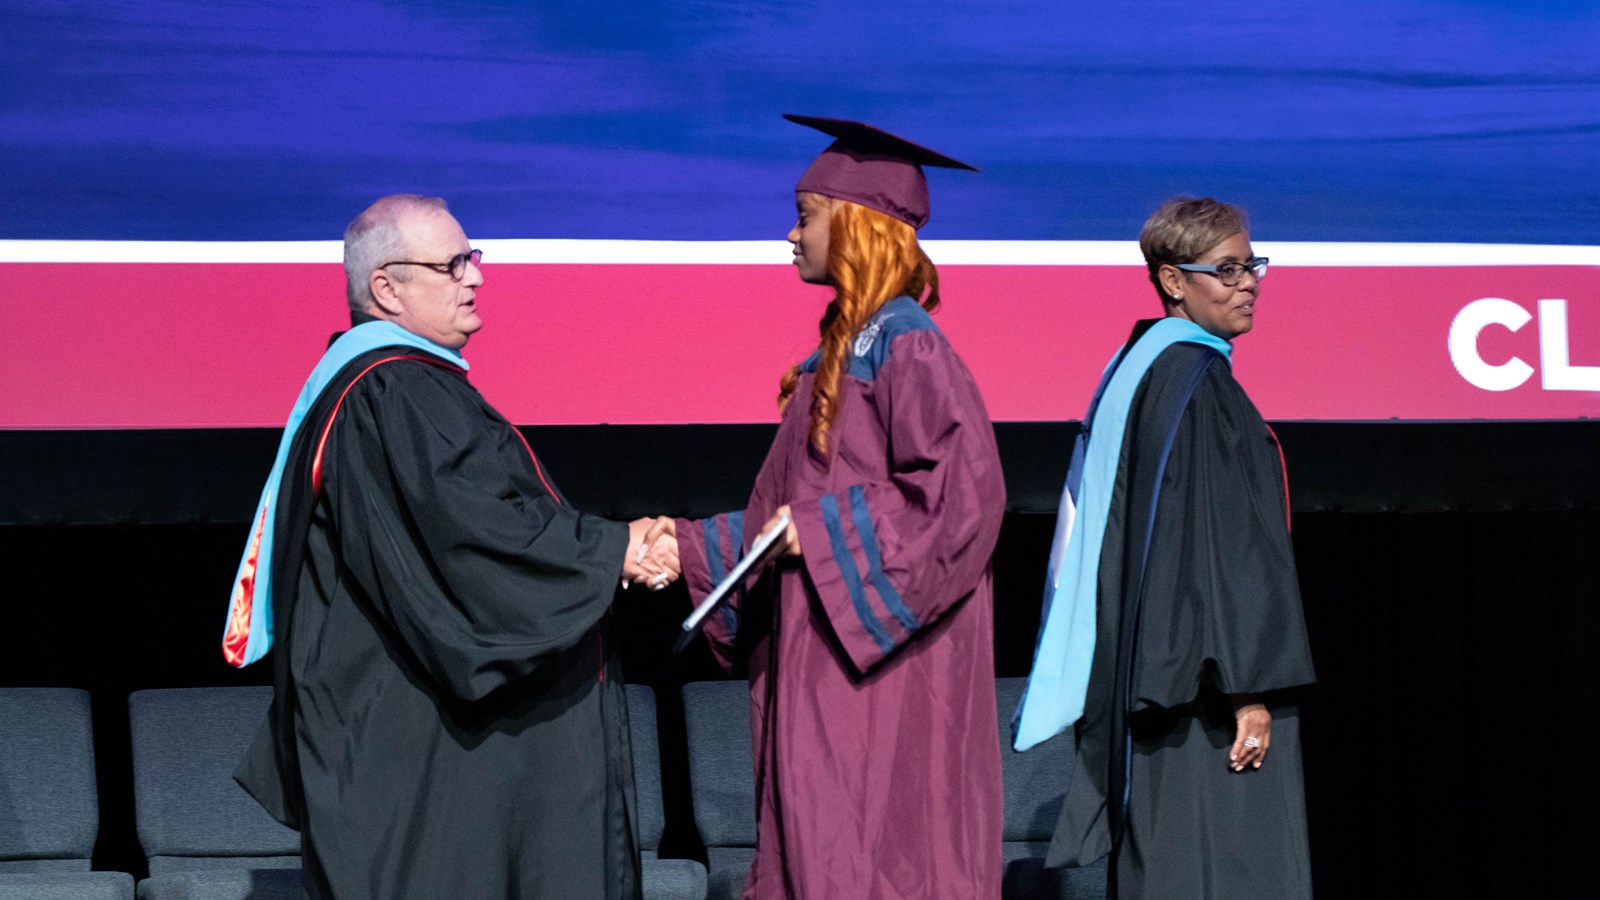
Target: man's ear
{"x": 384, "y": 294}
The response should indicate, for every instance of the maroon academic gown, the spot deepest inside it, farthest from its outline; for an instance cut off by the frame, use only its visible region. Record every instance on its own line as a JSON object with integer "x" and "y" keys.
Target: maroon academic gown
{"x": 872, "y": 698}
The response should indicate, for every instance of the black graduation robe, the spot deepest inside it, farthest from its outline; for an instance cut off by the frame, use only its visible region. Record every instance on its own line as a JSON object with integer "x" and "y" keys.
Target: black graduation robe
{"x": 1216, "y": 611}
{"x": 449, "y": 718}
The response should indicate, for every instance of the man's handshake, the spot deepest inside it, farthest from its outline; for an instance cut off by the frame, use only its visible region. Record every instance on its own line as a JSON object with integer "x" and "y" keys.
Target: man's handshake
{"x": 652, "y": 557}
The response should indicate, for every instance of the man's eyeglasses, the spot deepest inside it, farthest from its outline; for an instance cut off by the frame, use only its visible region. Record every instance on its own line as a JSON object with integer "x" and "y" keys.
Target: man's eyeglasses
{"x": 1229, "y": 273}
{"x": 456, "y": 268}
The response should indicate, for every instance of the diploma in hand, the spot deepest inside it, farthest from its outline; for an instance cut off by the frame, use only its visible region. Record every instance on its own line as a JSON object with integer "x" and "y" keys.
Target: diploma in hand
{"x": 762, "y": 551}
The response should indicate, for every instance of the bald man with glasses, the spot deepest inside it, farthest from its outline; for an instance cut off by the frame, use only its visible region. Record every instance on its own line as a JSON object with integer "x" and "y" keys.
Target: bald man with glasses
{"x": 449, "y": 718}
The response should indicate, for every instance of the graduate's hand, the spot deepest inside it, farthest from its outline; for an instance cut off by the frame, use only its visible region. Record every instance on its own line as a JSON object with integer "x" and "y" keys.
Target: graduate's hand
{"x": 791, "y": 537}
{"x": 661, "y": 549}
{"x": 1253, "y": 734}
{"x": 650, "y": 560}
{"x": 659, "y": 526}
{"x": 661, "y": 555}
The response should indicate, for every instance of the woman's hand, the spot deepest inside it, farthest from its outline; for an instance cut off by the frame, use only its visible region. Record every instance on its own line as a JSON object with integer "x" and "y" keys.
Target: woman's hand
{"x": 652, "y": 556}
{"x": 1253, "y": 735}
{"x": 791, "y": 537}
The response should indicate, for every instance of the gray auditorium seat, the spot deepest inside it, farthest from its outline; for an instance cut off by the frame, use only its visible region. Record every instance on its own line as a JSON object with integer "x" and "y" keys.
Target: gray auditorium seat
{"x": 1034, "y": 785}
{"x": 205, "y": 837}
{"x": 49, "y": 812}
{"x": 721, "y": 781}
{"x": 664, "y": 879}
{"x": 209, "y": 840}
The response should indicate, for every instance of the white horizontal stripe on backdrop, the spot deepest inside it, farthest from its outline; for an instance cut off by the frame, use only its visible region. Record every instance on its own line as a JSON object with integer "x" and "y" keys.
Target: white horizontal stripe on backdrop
{"x": 702, "y": 253}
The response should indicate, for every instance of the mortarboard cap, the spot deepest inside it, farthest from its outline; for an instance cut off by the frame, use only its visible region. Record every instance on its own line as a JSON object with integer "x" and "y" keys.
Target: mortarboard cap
{"x": 874, "y": 168}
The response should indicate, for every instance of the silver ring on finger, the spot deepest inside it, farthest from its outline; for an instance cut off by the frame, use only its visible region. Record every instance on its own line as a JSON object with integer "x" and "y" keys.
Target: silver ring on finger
{"x": 1252, "y": 742}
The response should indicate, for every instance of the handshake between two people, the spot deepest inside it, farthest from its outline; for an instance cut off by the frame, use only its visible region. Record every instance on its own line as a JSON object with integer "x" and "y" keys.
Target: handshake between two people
{"x": 652, "y": 557}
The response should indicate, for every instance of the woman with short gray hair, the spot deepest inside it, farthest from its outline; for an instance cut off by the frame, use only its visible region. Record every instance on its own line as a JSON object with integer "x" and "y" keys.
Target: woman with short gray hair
{"x": 1174, "y": 638}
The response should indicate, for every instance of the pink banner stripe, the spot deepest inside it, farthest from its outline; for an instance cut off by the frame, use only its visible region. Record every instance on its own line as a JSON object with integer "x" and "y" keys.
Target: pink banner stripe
{"x": 103, "y": 345}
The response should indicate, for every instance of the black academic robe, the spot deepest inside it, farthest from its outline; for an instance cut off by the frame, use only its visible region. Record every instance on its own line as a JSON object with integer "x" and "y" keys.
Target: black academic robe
{"x": 449, "y": 719}
{"x": 1198, "y": 602}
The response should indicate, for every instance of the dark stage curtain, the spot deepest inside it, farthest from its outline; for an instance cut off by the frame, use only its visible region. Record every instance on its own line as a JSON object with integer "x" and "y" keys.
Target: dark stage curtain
{"x": 1449, "y": 744}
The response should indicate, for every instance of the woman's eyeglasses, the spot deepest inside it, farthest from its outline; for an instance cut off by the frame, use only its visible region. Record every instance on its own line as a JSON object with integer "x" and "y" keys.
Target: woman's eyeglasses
{"x": 1229, "y": 273}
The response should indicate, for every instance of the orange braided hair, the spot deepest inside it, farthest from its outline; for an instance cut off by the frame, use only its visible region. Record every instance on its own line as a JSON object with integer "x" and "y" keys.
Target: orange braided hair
{"x": 872, "y": 259}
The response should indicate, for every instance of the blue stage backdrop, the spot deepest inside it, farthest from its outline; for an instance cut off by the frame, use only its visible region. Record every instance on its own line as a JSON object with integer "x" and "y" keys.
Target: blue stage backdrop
{"x": 1345, "y": 120}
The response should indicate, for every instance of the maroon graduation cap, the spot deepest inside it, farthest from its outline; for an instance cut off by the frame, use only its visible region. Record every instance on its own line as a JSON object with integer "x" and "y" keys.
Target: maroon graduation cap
{"x": 874, "y": 168}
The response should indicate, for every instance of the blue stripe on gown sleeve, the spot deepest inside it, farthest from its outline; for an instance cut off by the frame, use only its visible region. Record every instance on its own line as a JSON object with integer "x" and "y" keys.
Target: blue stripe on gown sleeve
{"x": 869, "y": 543}
{"x": 852, "y": 577}
{"x": 727, "y": 613}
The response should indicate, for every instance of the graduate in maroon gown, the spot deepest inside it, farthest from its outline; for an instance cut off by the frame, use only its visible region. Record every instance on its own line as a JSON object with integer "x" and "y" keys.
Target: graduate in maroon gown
{"x": 869, "y": 645}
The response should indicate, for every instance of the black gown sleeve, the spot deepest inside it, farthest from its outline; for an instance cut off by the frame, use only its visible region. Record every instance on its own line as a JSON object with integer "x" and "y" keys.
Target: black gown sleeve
{"x": 461, "y": 547}
{"x": 1221, "y": 603}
